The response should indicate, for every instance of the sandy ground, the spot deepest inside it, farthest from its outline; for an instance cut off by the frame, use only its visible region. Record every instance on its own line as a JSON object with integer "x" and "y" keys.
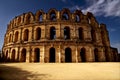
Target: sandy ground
{"x": 60, "y": 71}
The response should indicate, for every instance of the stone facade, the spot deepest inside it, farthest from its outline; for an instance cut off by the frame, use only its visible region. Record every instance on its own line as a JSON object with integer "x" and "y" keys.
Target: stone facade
{"x": 57, "y": 36}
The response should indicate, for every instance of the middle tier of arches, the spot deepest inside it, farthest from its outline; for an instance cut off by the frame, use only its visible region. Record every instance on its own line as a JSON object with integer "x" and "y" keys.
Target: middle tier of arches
{"x": 53, "y": 32}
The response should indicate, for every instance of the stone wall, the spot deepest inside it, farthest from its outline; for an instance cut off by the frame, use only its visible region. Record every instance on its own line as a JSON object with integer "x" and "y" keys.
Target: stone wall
{"x": 57, "y": 36}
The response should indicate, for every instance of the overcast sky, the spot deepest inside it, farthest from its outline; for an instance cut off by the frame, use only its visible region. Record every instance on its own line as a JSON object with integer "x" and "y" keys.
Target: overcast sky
{"x": 105, "y": 11}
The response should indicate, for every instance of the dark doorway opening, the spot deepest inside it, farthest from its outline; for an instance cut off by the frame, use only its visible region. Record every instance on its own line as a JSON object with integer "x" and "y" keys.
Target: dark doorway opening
{"x": 13, "y": 55}
{"x": 96, "y": 55}
{"x": 37, "y": 55}
{"x": 83, "y": 55}
{"x": 68, "y": 55}
{"x": 52, "y": 55}
{"x": 23, "y": 55}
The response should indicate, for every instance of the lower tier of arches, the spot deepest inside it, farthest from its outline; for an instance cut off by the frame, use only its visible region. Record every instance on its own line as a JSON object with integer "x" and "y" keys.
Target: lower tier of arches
{"x": 59, "y": 54}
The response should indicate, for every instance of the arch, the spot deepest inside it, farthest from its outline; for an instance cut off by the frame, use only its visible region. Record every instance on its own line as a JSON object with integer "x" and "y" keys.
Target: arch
{"x": 26, "y": 35}
{"x": 16, "y": 36}
{"x": 96, "y": 55}
{"x": 29, "y": 17}
{"x": 18, "y": 20}
{"x": 68, "y": 55}
{"x": 52, "y": 14}
{"x": 39, "y": 15}
{"x": 10, "y": 38}
{"x": 52, "y": 33}
{"x": 65, "y": 14}
{"x": 38, "y": 33}
{"x": 77, "y": 18}
{"x": 83, "y": 54}
{"x": 6, "y": 55}
{"x": 80, "y": 32}
{"x": 66, "y": 33}
{"x": 23, "y": 55}
{"x": 13, "y": 55}
{"x": 77, "y": 15}
{"x": 93, "y": 35}
{"x": 37, "y": 55}
{"x": 52, "y": 55}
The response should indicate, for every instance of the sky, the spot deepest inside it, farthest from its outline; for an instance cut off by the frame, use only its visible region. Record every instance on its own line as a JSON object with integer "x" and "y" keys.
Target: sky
{"x": 105, "y": 11}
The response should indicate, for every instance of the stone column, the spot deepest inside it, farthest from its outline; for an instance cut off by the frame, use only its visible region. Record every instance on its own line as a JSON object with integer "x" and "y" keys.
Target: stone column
{"x": 42, "y": 54}
{"x": 89, "y": 55}
{"x": 101, "y": 55}
{"x": 32, "y": 55}
{"x": 16, "y": 54}
{"x": 58, "y": 54}
{"x": 46, "y": 54}
{"x": 76, "y": 53}
{"x": 28, "y": 53}
{"x": 62, "y": 54}
{"x": 58, "y": 32}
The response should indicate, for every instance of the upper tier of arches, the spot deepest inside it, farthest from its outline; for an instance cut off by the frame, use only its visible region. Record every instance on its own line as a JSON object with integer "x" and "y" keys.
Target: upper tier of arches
{"x": 52, "y": 15}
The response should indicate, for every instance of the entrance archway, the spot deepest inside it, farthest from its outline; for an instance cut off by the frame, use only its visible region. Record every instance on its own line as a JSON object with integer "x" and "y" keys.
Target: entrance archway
{"x": 83, "y": 55}
{"x": 52, "y": 55}
{"x": 68, "y": 55}
{"x": 23, "y": 55}
{"x": 37, "y": 55}
{"x": 13, "y": 55}
{"x": 96, "y": 55}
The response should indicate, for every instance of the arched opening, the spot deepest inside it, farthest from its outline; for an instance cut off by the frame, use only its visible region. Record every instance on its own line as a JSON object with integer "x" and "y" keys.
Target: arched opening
{"x": 52, "y": 55}
{"x": 68, "y": 55}
{"x": 16, "y": 36}
{"x": 83, "y": 55}
{"x": 77, "y": 18}
{"x": 65, "y": 16}
{"x": 19, "y": 20}
{"x": 53, "y": 16}
{"x": 66, "y": 33}
{"x": 96, "y": 55}
{"x": 28, "y": 18}
{"x": 23, "y": 55}
{"x": 26, "y": 35}
{"x": 13, "y": 55}
{"x": 37, "y": 55}
{"x": 52, "y": 33}
{"x": 40, "y": 17}
{"x": 93, "y": 35}
{"x": 6, "y": 56}
{"x": 38, "y": 33}
{"x": 80, "y": 32}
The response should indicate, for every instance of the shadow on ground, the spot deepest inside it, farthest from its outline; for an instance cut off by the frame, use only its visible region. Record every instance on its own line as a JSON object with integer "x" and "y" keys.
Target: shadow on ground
{"x": 12, "y": 73}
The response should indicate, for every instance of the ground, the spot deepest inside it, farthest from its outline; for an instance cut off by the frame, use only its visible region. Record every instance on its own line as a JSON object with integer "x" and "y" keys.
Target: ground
{"x": 60, "y": 71}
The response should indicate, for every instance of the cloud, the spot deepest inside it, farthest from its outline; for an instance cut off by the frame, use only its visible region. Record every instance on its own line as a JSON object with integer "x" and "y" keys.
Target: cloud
{"x": 103, "y": 7}
{"x": 112, "y": 29}
{"x": 75, "y": 7}
{"x": 100, "y": 7}
{"x": 117, "y": 45}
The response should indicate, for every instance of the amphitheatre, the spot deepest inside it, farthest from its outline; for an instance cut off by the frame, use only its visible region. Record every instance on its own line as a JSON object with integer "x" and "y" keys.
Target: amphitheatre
{"x": 58, "y": 45}
{"x": 57, "y": 36}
